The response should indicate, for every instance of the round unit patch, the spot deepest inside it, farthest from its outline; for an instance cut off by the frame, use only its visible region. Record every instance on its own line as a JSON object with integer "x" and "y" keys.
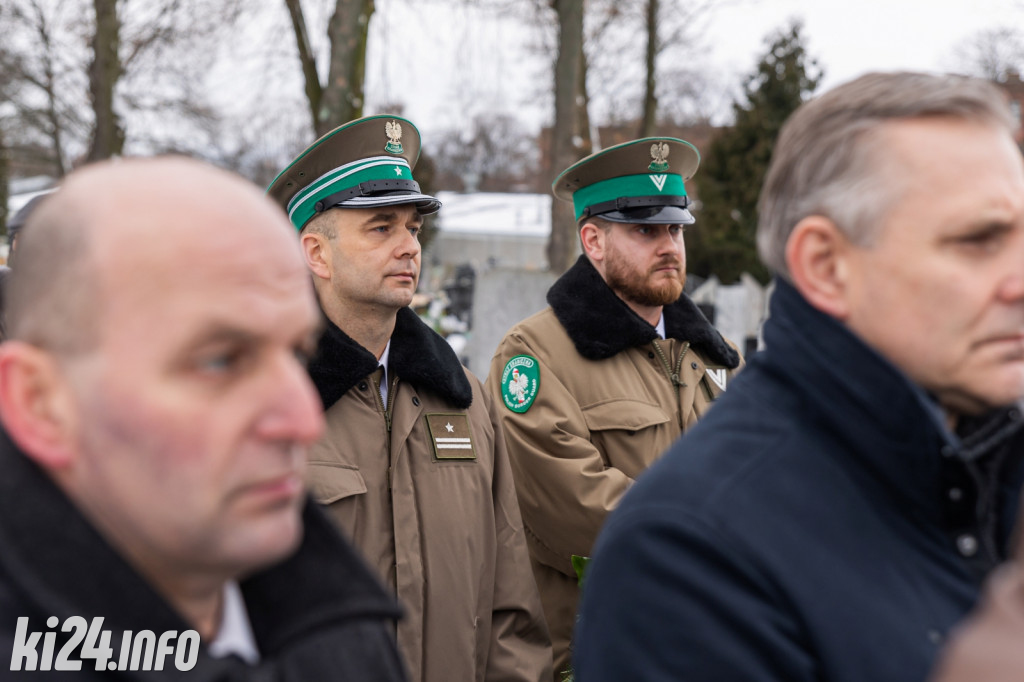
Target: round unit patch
{"x": 519, "y": 382}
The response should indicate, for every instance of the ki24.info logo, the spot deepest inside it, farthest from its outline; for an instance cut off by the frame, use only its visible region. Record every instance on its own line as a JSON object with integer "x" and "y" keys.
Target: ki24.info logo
{"x": 142, "y": 650}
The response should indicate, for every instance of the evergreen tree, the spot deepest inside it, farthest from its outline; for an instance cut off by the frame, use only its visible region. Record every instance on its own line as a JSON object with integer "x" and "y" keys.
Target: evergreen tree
{"x": 730, "y": 177}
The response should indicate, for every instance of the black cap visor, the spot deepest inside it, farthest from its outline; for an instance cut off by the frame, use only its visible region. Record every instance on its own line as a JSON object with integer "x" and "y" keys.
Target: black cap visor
{"x": 650, "y": 215}
{"x": 381, "y": 193}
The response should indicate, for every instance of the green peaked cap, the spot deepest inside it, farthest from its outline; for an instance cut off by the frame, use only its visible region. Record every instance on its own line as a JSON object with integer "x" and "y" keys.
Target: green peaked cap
{"x": 642, "y": 181}
{"x": 361, "y": 164}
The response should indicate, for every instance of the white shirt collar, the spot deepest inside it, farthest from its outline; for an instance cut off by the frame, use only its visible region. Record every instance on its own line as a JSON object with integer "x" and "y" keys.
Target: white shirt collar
{"x": 383, "y": 362}
{"x": 234, "y": 636}
{"x": 660, "y": 327}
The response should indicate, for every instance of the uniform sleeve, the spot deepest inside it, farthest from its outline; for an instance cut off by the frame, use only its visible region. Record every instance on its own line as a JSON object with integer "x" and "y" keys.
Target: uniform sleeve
{"x": 666, "y": 599}
{"x": 565, "y": 489}
{"x": 520, "y": 646}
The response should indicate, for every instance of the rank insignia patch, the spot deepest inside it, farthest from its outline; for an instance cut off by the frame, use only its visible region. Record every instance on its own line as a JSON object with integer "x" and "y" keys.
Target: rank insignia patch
{"x": 451, "y": 436}
{"x": 519, "y": 382}
{"x": 718, "y": 376}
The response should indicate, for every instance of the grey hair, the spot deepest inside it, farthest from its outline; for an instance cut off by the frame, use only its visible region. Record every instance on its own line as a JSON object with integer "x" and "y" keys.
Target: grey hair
{"x": 323, "y": 223}
{"x": 827, "y": 160}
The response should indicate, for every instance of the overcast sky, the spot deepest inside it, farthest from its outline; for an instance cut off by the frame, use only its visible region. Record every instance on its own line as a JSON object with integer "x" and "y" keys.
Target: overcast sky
{"x": 448, "y": 61}
{"x": 850, "y": 38}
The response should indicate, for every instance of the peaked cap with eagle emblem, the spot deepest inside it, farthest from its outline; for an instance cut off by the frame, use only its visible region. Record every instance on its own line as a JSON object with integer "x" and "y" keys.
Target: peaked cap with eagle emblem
{"x": 361, "y": 164}
{"x": 634, "y": 182}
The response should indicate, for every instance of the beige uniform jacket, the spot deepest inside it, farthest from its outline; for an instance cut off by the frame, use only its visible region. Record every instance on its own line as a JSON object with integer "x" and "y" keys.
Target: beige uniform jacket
{"x": 609, "y": 400}
{"x": 423, "y": 488}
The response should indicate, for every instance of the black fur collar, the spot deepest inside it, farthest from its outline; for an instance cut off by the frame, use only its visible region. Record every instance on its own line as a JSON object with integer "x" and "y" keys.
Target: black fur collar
{"x": 418, "y": 355}
{"x": 601, "y": 325}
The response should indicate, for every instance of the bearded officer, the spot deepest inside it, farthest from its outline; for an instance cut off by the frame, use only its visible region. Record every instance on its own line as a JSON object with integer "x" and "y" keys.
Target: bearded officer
{"x": 413, "y": 466}
{"x": 619, "y": 365}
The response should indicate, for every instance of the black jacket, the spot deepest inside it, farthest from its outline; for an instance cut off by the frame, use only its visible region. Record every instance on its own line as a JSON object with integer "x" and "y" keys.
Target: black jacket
{"x": 819, "y": 524}
{"x": 318, "y": 615}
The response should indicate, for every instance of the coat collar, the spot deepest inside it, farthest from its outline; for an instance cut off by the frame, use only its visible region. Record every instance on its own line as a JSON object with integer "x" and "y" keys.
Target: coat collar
{"x": 419, "y": 356}
{"x": 601, "y": 325}
{"x": 62, "y": 565}
{"x": 893, "y": 427}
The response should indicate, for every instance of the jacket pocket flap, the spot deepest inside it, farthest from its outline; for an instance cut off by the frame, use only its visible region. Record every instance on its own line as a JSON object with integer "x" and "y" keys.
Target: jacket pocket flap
{"x": 332, "y": 482}
{"x": 631, "y": 415}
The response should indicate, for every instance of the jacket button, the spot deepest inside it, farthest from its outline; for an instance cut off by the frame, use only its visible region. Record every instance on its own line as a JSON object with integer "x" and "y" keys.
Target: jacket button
{"x": 362, "y": 386}
{"x": 650, "y": 354}
{"x": 956, "y": 494}
{"x": 693, "y": 364}
{"x": 967, "y": 545}
{"x": 935, "y": 636}
{"x": 415, "y": 401}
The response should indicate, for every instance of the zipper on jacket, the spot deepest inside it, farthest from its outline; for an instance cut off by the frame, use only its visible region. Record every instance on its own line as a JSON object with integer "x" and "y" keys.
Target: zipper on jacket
{"x": 386, "y": 409}
{"x": 391, "y": 401}
{"x": 674, "y": 377}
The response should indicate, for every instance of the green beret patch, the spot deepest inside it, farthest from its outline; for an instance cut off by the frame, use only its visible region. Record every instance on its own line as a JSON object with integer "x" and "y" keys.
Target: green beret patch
{"x": 519, "y": 382}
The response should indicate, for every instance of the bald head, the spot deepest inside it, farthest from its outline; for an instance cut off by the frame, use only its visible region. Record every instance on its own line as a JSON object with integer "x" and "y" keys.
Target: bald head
{"x": 115, "y": 224}
{"x": 159, "y": 316}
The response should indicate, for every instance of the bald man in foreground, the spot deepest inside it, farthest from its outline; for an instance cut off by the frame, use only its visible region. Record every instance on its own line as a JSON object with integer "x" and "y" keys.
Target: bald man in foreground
{"x": 155, "y": 416}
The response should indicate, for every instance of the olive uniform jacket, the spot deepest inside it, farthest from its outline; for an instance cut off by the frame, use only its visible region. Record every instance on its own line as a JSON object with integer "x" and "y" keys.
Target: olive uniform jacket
{"x": 423, "y": 487}
{"x": 610, "y": 397}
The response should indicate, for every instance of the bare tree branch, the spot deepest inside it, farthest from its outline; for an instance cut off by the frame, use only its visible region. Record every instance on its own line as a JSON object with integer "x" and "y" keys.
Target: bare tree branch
{"x": 314, "y": 91}
{"x": 161, "y": 34}
{"x": 348, "y": 31}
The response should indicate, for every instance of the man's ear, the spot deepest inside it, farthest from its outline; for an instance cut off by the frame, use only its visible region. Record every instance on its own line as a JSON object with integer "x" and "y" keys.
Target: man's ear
{"x": 36, "y": 405}
{"x": 592, "y": 239}
{"x": 817, "y": 255}
{"x": 315, "y": 248}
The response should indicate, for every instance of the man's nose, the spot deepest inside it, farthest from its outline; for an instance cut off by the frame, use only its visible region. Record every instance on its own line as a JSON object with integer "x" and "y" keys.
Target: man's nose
{"x": 294, "y": 412}
{"x": 669, "y": 243}
{"x": 410, "y": 246}
{"x": 1012, "y": 288}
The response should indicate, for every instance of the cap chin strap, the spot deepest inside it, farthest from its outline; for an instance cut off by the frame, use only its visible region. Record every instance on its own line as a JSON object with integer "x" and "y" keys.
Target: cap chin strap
{"x": 634, "y": 202}
{"x": 366, "y": 189}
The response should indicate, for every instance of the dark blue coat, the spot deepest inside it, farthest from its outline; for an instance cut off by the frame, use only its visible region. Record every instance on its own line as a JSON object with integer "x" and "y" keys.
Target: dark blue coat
{"x": 819, "y": 524}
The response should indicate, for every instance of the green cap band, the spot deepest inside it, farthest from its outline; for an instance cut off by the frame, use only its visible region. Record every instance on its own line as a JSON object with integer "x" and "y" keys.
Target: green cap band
{"x": 647, "y": 185}
{"x": 302, "y": 207}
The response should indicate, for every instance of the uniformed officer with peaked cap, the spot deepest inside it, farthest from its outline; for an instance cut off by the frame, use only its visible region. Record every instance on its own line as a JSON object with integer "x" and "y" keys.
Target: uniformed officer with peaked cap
{"x": 413, "y": 466}
{"x": 362, "y": 164}
{"x": 619, "y": 365}
{"x": 633, "y": 182}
